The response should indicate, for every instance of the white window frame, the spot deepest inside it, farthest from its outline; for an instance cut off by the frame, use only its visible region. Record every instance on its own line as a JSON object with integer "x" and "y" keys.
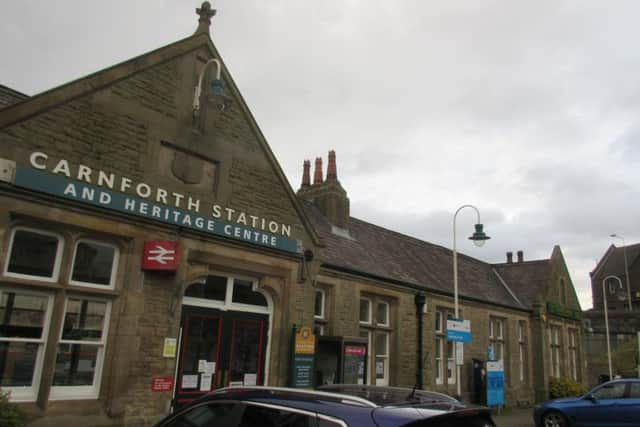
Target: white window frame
{"x": 521, "y": 351}
{"x": 387, "y": 313}
{"x": 227, "y": 303}
{"x": 439, "y": 318}
{"x": 554, "y": 348}
{"x": 368, "y": 334}
{"x": 30, "y": 394}
{"x": 63, "y": 392}
{"x": 369, "y": 320}
{"x": 114, "y": 265}
{"x": 439, "y": 351}
{"x": 384, "y": 381}
{"x": 451, "y": 361}
{"x": 573, "y": 353}
{"x": 496, "y": 337}
{"x": 57, "y": 262}
{"x": 323, "y": 295}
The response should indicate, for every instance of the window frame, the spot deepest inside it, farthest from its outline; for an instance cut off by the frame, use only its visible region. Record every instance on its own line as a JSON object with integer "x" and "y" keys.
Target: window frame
{"x": 63, "y": 392}
{"x": 497, "y": 338}
{"x": 55, "y": 274}
{"x": 30, "y": 394}
{"x": 227, "y": 303}
{"x": 384, "y": 381}
{"x": 114, "y": 265}
{"x": 387, "y": 311}
{"x": 369, "y": 320}
{"x": 323, "y": 299}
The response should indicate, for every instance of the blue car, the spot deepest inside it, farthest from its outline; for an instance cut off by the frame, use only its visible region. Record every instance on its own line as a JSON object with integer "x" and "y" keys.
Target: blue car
{"x": 614, "y": 403}
{"x": 284, "y": 407}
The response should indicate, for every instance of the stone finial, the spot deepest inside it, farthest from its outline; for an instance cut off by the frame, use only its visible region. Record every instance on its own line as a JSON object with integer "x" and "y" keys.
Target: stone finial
{"x": 332, "y": 170}
{"x": 205, "y": 12}
{"x": 317, "y": 175}
{"x": 306, "y": 174}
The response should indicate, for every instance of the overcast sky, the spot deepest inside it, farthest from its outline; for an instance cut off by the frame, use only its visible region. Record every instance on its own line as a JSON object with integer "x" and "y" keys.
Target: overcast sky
{"x": 528, "y": 110}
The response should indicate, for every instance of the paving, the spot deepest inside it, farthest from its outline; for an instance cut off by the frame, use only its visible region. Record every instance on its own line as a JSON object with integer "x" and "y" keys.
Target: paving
{"x": 517, "y": 417}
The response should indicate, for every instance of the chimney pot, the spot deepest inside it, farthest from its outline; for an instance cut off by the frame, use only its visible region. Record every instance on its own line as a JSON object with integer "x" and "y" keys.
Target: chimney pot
{"x": 332, "y": 170}
{"x": 509, "y": 257}
{"x": 520, "y": 256}
{"x": 317, "y": 176}
{"x": 306, "y": 174}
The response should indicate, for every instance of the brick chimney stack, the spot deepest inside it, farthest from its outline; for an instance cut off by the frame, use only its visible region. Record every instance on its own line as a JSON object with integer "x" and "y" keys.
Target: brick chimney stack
{"x": 306, "y": 174}
{"x": 509, "y": 257}
{"x": 520, "y": 256}
{"x": 317, "y": 176}
{"x": 332, "y": 170}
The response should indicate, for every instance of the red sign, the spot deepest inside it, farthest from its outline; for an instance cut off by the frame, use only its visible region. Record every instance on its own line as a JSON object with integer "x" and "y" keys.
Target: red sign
{"x": 160, "y": 255}
{"x": 162, "y": 384}
{"x": 351, "y": 350}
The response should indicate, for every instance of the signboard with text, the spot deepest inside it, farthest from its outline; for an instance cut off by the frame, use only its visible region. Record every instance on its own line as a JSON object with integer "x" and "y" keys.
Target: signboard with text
{"x": 495, "y": 383}
{"x": 303, "y": 359}
{"x": 458, "y": 330}
{"x": 160, "y": 384}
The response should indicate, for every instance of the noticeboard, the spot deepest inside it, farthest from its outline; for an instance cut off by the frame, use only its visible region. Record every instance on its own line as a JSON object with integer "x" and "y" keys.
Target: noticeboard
{"x": 303, "y": 358}
{"x": 495, "y": 383}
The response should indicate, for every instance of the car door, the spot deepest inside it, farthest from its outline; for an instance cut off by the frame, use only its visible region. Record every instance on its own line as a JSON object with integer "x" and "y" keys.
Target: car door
{"x": 602, "y": 410}
{"x": 630, "y": 405}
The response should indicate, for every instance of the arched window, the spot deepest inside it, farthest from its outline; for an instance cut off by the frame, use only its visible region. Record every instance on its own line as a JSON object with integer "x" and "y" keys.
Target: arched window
{"x": 225, "y": 291}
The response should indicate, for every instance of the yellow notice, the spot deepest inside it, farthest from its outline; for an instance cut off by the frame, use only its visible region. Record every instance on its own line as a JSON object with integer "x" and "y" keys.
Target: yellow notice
{"x": 169, "y": 349}
{"x": 305, "y": 341}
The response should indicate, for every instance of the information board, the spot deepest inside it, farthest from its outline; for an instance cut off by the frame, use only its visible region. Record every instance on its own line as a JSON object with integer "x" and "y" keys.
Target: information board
{"x": 303, "y": 358}
{"x": 495, "y": 383}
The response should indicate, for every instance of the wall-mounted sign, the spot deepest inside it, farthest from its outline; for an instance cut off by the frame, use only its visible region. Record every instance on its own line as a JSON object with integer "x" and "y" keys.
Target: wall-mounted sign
{"x": 160, "y": 255}
{"x": 303, "y": 358}
{"x": 156, "y": 204}
{"x": 162, "y": 384}
{"x": 169, "y": 348}
{"x": 458, "y": 330}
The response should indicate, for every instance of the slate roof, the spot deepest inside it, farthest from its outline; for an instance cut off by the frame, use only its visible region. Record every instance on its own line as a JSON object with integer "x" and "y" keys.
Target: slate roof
{"x": 614, "y": 262}
{"x": 9, "y": 96}
{"x": 525, "y": 279}
{"x": 386, "y": 254}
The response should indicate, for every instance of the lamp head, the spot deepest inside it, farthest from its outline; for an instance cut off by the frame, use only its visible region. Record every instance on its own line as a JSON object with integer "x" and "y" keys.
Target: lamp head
{"x": 479, "y": 236}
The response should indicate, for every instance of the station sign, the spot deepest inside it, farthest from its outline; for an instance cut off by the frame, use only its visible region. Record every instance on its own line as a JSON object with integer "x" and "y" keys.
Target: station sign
{"x": 161, "y": 255}
{"x": 458, "y": 330}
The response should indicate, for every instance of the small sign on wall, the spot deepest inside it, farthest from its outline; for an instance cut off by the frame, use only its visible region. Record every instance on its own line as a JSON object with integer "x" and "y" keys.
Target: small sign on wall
{"x": 160, "y": 255}
{"x": 160, "y": 384}
{"x": 169, "y": 348}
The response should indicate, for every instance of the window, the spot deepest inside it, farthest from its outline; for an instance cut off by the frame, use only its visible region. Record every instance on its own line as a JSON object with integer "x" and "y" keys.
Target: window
{"x": 24, "y": 322}
{"x": 220, "y": 413}
{"x": 442, "y": 345}
{"x": 522, "y": 351}
{"x": 365, "y": 310}
{"x": 80, "y": 350}
{"x": 573, "y": 353}
{"x": 382, "y": 358}
{"x": 554, "y": 346}
{"x": 378, "y": 336}
{"x": 610, "y": 391}
{"x": 94, "y": 264}
{"x": 34, "y": 254}
{"x": 270, "y": 416}
{"x": 318, "y": 311}
{"x": 382, "y": 318}
{"x": 496, "y": 337}
{"x": 226, "y": 292}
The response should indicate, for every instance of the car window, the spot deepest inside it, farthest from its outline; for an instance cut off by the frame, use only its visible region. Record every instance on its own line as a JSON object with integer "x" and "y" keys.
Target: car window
{"x": 610, "y": 391}
{"x": 261, "y": 416}
{"x": 634, "y": 391}
{"x": 213, "y": 413}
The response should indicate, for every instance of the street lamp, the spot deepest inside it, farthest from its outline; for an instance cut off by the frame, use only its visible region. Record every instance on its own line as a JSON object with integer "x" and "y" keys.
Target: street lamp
{"x": 626, "y": 269}
{"x": 606, "y": 320}
{"x": 478, "y": 238}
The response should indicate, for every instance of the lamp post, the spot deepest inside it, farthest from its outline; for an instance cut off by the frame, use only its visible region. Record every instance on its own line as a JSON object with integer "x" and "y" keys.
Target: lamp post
{"x": 606, "y": 320}
{"x": 478, "y": 238}
{"x": 626, "y": 269}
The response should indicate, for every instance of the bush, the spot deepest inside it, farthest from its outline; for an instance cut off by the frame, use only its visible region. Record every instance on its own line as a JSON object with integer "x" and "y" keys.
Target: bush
{"x": 10, "y": 415}
{"x": 565, "y": 387}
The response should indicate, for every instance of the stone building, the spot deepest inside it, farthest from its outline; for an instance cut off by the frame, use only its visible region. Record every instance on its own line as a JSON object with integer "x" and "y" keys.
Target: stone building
{"x": 610, "y": 274}
{"x": 152, "y": 250}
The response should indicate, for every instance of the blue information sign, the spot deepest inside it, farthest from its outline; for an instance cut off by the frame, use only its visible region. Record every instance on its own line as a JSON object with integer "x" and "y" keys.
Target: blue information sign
{"x": 495, "y": 383}
{"x": 458, "y": 330}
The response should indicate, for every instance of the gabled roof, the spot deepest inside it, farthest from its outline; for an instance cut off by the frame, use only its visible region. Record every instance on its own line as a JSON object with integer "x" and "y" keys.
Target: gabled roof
{"x": 85, "y": 85}
{"x": 613, "y": 260}
{"x": 9, "y": 96}
{"x": 385, "y": 254}
{"x": 526, "y": 279}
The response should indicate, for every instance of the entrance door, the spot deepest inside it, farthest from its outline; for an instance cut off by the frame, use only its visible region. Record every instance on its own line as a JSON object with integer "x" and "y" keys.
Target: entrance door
{"x": 219, "y": 348}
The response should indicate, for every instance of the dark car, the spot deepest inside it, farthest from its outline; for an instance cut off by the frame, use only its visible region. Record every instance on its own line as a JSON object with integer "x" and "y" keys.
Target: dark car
{"x": 614, "y": 403}
{"x": 285, "y": 407}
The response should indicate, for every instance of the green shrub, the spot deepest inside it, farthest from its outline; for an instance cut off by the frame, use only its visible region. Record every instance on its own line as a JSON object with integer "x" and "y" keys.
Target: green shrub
{"x": 10, "y": 415}
{"x": 565, "y": 387}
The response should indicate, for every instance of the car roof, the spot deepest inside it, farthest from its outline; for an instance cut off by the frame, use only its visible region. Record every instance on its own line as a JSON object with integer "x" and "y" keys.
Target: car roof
{"x": 390, "y": 396}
